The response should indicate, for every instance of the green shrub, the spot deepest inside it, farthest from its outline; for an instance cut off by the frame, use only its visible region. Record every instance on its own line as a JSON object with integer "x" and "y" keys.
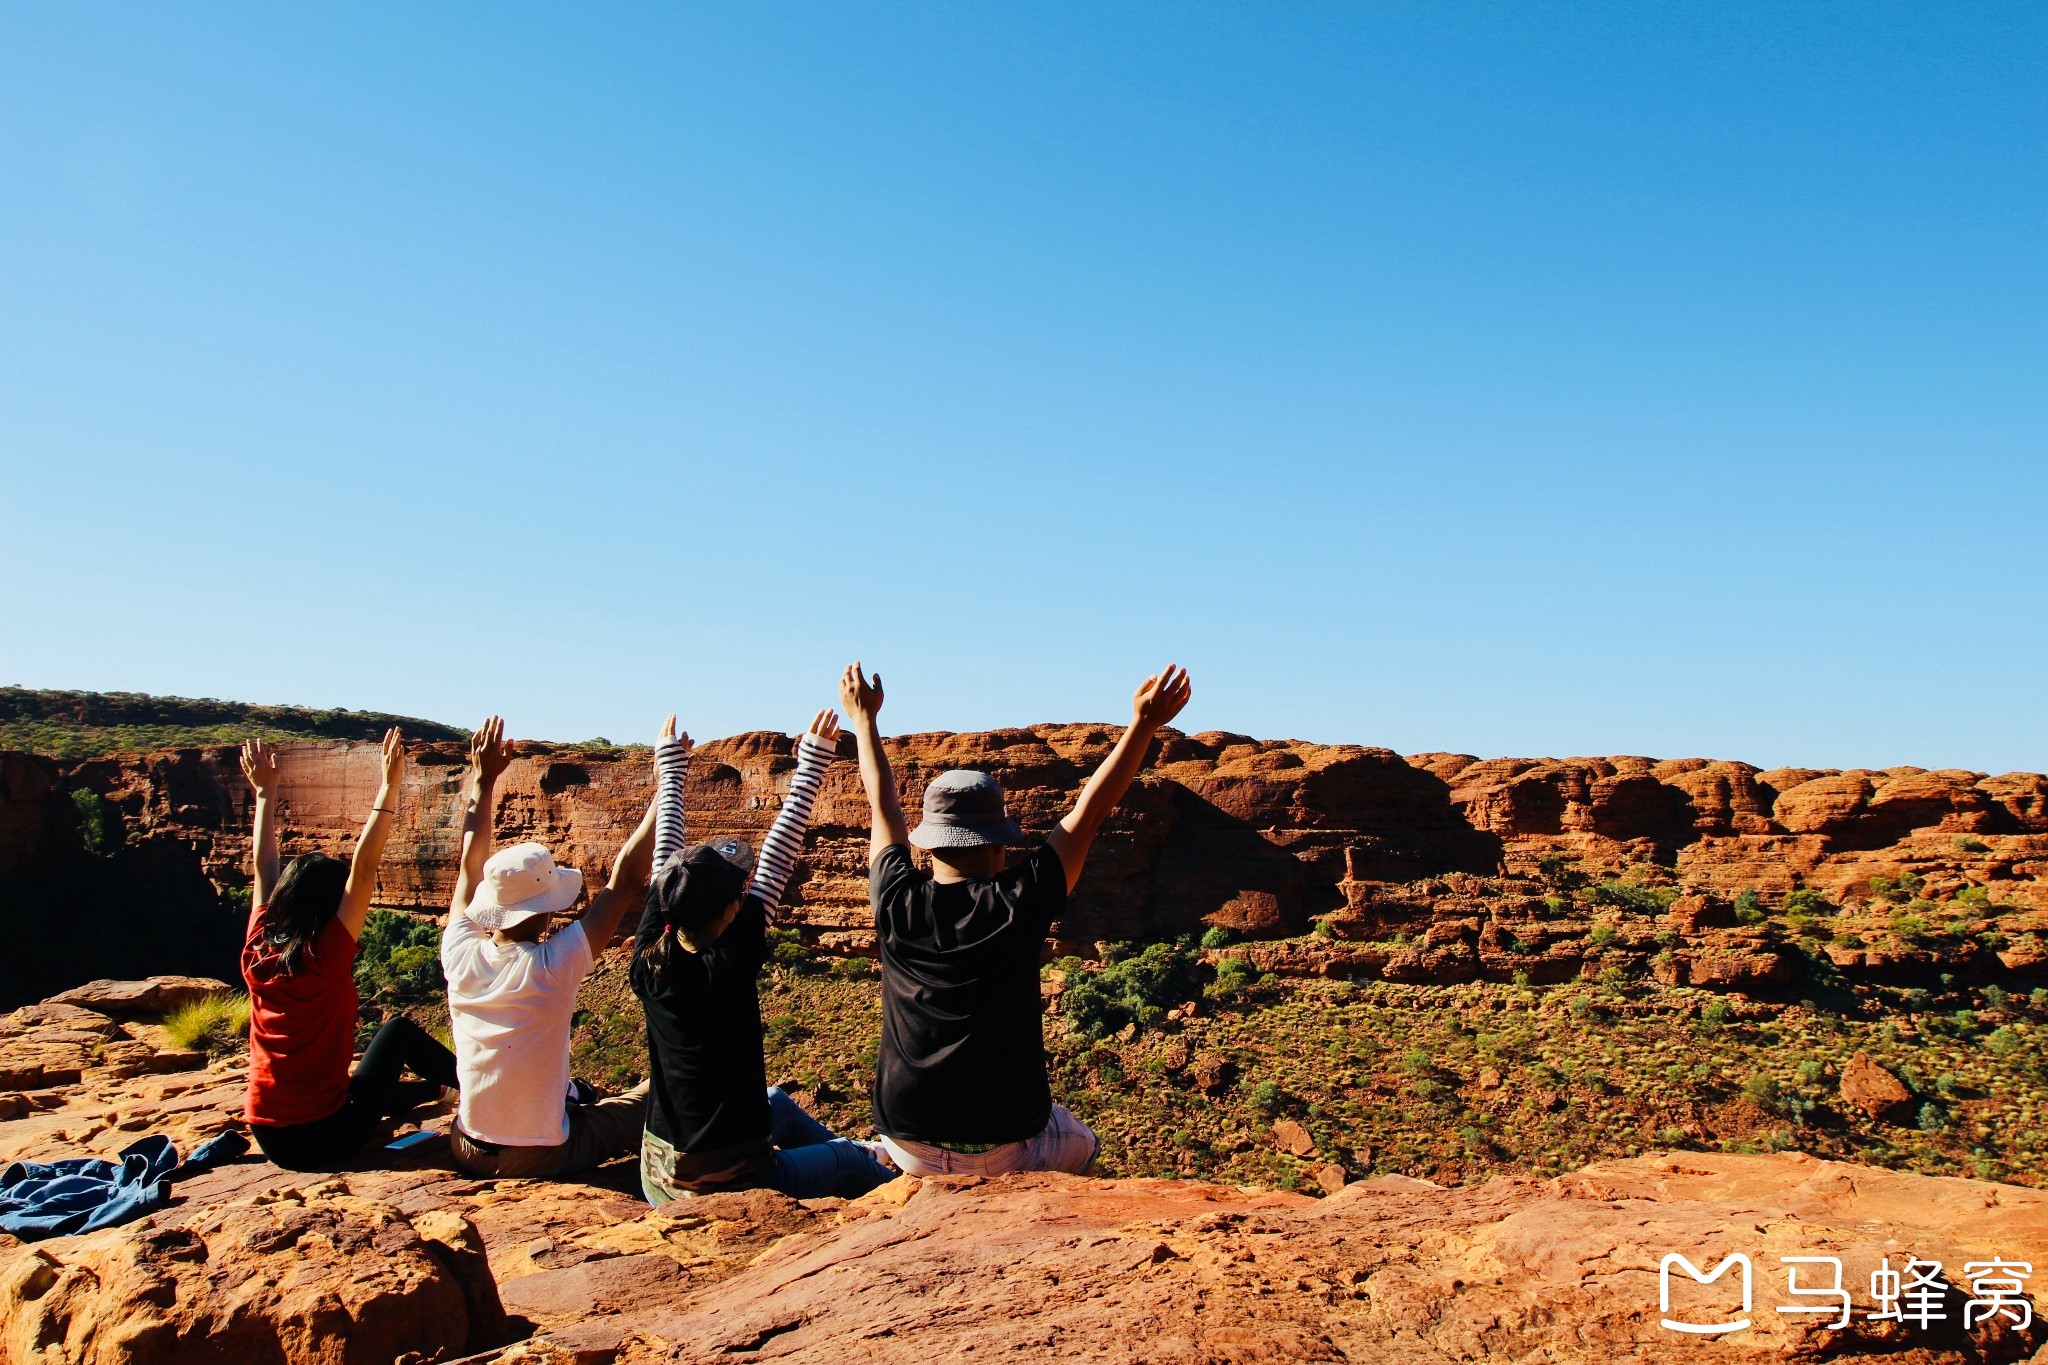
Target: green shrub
{"x": 1970, "y": 843}
{"x": 852, "y": 969}
{"x": 2004, "y": 1040}
{"x": 1716, "y": 1013}
{"x": 1761, "y": 1088}
{"x": 1602, "y": 934}
{"x": 217, "y": 1024}
{"x": 2038, "y": 997}
{"x": 1416, "y": 1061}
{"x": 1267, "y": 1097}
{"x": 786, "y": 948}
{"x": 1851, "y": 940}
{"x": 1813, "y": 1071}
{"x": 783, "y": 1029}
{"x": 1553, "y": 906}
{"x": 1131, "y": 988}
{"x": 99, "y": 824}
{"x": 1235, "y": 978}
{"x": 1932, "y": 1120}
{"x": 398, "y": 959}
{"x": 1648, "y": 900}
{"x": 1216, "y": 937}
{"x": 1808, "y": 902}
{"x": 1976, "y": 897}
{"x": 1322, "y": 930}
{"x": 1749, "y": 907}
{"x": 1910, "y": 928}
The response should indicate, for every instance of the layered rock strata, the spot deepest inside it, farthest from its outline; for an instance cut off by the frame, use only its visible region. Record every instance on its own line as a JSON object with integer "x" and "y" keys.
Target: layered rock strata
{"x": 1455, "y": 854}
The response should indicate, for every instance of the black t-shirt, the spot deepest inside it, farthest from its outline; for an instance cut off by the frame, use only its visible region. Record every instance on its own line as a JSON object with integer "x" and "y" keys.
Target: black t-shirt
{"x": 963, "y": 1053}
{"x": 709, "y": 1084}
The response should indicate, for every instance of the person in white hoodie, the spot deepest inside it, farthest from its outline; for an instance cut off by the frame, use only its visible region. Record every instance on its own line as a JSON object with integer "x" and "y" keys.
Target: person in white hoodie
{"x": 512, "y": 992}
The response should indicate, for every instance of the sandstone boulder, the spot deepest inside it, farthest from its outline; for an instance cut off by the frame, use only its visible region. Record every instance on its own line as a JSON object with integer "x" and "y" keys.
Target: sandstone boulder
{"x": 1738, "y": 970}
{"x": 321, "y": 1277}
{"x": 1386, "y": 1270}
{"x": 1875, "y": 1091}
{"x": 157, "y": 995}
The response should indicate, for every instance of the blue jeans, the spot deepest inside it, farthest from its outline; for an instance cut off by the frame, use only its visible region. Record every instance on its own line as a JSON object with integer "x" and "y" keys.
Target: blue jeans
{"x": 810, "y": 1163}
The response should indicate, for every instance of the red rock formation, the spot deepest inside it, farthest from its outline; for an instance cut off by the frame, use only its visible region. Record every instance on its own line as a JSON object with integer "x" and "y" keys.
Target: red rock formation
{"x": 1260, "y": 836}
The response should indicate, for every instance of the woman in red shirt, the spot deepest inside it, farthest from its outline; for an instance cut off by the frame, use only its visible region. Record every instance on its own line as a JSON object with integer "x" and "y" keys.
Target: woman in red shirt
{"x": 307, "y": 1112}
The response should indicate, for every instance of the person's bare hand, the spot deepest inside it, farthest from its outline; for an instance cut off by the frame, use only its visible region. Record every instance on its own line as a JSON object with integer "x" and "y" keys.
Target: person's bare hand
{"x": 489, "y": 754}
{"x": 394, "y": 756}
{"x": 859, "y": 697}
{"x": 669, "y": 732}
{"x": 825, "y": 728}
{"x": 259, "y": 765}
{"x": 1160, "y": 698}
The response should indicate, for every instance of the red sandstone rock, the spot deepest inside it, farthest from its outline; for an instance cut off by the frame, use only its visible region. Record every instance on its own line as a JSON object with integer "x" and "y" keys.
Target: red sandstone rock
{"x": 158, "y": 995}
{"x": 1388, "y": 1270}
{"x": 1741, "y": 970}
{"x": 1263, "y": 836}
{"x": 1875, "y": 1090}
{"x": 321, "y": 1276}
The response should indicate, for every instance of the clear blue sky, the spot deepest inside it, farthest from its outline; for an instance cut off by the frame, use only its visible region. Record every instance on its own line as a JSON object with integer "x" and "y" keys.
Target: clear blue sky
{"x": 1510, "y": 379}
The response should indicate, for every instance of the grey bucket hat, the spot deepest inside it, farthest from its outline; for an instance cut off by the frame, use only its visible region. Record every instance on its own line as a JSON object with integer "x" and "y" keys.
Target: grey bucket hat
{"x": 964, "y": 810}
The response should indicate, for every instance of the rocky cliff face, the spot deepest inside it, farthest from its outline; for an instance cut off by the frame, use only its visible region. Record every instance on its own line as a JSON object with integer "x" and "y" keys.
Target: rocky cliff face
{"x": 1264, "y": 837}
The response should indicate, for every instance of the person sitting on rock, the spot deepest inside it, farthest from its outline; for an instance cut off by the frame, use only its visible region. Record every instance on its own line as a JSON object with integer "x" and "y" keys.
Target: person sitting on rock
{"x": 305, "y": 1110}
{"x": 512, "y": 993}
{"x": 960, "y": 1084}
{"x": 715, "y": 1123}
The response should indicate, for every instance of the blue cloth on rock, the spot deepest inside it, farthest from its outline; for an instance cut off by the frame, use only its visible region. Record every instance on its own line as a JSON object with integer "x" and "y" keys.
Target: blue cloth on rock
{"x": 84, "y": 1194}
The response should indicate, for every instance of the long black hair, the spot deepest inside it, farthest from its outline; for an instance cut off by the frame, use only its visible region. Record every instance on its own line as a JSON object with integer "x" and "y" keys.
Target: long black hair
{"x": 306, "y": 897}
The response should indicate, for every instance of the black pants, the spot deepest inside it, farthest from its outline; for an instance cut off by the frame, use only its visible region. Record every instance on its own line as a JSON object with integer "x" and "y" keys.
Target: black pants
{"x": 375, "y": 1093}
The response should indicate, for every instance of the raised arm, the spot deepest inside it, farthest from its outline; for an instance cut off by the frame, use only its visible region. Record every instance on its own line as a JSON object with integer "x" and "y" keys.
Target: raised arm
{"x": 628, "y": 883}
{"x": 785, "y": 841}
{"x": 861, "y": 699}
{"x": 488, "y": 755}
{"x": 362, "y": 868}
{"x": 1158, "y": 700}
{"x": 259, "y": 765}
{"x": 671, "y": 766}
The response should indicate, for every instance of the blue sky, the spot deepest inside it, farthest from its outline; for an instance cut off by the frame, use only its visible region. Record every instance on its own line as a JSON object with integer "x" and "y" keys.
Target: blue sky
{"x": 1632, "y": 379}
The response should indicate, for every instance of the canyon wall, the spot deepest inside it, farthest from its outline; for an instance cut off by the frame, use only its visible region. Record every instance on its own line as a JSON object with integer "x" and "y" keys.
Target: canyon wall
{"x": 1262, "y": 837}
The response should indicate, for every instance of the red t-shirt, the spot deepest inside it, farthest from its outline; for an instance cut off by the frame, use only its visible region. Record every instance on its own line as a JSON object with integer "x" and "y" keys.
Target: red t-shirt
{"x": 302, "y": 1025}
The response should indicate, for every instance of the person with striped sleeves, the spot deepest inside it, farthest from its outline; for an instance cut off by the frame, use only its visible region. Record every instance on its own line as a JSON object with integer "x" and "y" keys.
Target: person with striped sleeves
{"x": 713, "y": 1121}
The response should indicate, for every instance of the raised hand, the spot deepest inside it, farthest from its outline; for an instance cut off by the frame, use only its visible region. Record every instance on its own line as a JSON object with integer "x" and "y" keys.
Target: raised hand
{"x": 488, "y": 752}
{"x": 825, "y": 728}
{"x": 668, "y": 732}
{"x": 1159, "y": 698}
{"x": 259, "y": 765}
{"x": 859, "y": 697}
{"x": 394, "y": 757}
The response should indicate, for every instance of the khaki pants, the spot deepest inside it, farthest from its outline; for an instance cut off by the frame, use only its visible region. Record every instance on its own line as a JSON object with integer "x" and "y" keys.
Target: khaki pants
{"x": 1066, "y": 1144}
{"x": 597, "y": 1133}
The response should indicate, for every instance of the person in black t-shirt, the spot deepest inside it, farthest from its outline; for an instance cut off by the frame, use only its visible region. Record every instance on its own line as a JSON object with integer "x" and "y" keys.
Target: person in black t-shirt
{"x": 713, "y": 1121}
{"x": 960, "y": 1084}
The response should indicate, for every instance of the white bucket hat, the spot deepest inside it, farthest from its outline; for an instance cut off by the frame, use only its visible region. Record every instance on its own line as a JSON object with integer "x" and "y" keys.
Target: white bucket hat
{"x": 520, "y": 882}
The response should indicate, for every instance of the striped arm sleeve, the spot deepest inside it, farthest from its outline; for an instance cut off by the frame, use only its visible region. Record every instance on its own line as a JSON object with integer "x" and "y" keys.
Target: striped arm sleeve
{"x": 785, "y": 841}
{"x": 671, "y": 765}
